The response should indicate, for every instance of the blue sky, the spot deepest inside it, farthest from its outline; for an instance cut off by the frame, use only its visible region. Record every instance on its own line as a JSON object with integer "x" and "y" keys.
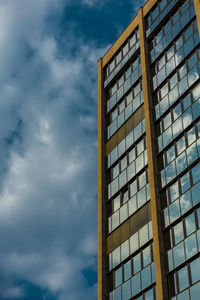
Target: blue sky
{"x": 48, "y": 140}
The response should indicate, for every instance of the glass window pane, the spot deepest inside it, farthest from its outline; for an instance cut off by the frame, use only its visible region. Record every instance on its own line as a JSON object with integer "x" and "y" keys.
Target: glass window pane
{"x": 167, "y": 137}
{"x": 170, "y": 260}
{"x": 136, "y": 284}
{"x": 195, "y": 291}
{"x": 191, "y": 136}
{"x": 134, "y": 242}
{"x": 191, "y": 153}
{"x": 178, "y": 254}
{"x": 146, "y": 256}
{"x": 137, "y": 263}
{"x": 174, "y": 191}
{"x": 183, "y": 278}
{"x": 132, "y": 205}
{"x": 122, "y": 179}
{"x": 141, "y": 197}
{"x": 183, "y": 296}
{"x": 123, "y": 213}
{"x": 115, "y": 220}
{"x": 142, "y": 180}
{"x": 140, "y": 147}
{"x": 177, "y": 127}
{"x": 115, "y": 171}
{"x": 116, "y": 256}
{"x": 170, "y": 172}
{"x": 186, "y": 102}
{"x": 196, "y": 173}
{"x": 126, "y": 290}
{"x": 117, "y": 294}
{"x": 146, "y": 277}
{"x": 116, "y": 203}
{"x": 185, "y": 202}
{"x": 139, "y": 163}
{"x": 181, "y": 163}
{"x": 195, "y": 193}
{"x": 170, "y": 154}
{"x": 123, "y": 163}
{"x": 118, "y": 277}
{"x": 178, "y": 233}
{"x": 129, "y": 140}
{"x": 190, "y": 246}
{"x": 127, "y": 270}
{"x": 195, "y": 267}
{"x": 180, "y": 144}
{"x": 144, "y": 235}
{"x": 149, "y": 295}
{"x": 190, "y": 224}
{"x": 185, "y": 182}
{"x": 124, "y": 250}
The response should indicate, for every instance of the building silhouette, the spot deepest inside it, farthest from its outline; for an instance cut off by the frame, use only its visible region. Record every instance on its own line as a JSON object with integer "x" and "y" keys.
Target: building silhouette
{"x": 148, "y": 157}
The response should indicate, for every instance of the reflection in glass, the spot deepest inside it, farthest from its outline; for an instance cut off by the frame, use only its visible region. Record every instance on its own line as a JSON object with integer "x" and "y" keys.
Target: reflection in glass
{"x": 190, "y": 224}
{"x": 190, "y": 246}
{"x": 136, "y": 284}
{"x": 126, "y": 290}
{"x": 146, "y": 277}
{"x": 195, "y": 291}
{"x": 185, "y": 202}
{"x": 183, "y": 278}
{"x": 195, "y": 267}
{"x": 179, "y": 254}
{"x": 127, "y": 270}
{"x": 118, "y": 277}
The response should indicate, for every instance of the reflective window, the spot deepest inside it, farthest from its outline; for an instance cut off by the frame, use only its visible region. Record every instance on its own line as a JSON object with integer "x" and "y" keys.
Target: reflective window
{"x": 195, "y": 267}
{"x": 183, "y": 278}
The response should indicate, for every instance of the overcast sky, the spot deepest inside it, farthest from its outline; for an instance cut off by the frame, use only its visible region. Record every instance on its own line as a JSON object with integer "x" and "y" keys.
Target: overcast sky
{"x": 48, "y": 143}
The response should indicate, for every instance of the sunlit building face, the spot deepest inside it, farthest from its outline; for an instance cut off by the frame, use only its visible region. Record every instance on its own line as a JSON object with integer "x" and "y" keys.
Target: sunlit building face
{"x": 149, "y": 157}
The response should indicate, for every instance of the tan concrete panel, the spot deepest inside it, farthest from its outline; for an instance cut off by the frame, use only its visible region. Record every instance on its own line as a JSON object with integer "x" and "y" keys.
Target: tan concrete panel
{"x": 197, "y": 11}
{"x": 161, "y": 282}
{"x": 101, "y": 205}
{"x": 148, "y": 6}
{"x": 125, "y": 130}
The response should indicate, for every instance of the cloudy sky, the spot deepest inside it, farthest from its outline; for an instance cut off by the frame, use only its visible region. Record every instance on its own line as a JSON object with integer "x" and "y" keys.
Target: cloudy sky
{"x": 48, "y": 142}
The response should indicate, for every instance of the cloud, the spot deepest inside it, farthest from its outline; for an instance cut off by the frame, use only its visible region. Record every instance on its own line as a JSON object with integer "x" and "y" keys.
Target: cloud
{"x": 48, "y": 140}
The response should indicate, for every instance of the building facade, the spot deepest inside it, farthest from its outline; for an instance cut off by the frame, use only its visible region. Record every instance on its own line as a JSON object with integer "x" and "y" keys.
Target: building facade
{"x": 149, "y": 157}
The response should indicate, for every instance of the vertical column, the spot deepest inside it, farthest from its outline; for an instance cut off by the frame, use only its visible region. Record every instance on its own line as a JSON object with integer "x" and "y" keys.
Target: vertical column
{"x": 159, "y": 253}
{"x": 197, "y": 11}
{"x": 101, "y": 200}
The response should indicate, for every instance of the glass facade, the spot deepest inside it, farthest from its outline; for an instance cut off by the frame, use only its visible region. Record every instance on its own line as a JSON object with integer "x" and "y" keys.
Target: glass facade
{"x": 158, "y": 62}
{"x": 175, "y": 70}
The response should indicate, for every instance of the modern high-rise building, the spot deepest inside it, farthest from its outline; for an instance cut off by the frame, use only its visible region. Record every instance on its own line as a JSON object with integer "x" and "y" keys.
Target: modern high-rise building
{"x": 149, "y": 157}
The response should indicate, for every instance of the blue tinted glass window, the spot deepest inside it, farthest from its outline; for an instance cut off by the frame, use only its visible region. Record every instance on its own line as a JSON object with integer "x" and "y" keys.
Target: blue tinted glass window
{"x": 195, "y": 193}
{"x": 126, "y": 290}
{"x": 185, "y": 202}
{"x": 127, "y": 270}
{"x": 136, "y": 284}
{"x": 196, "y": 173}
{"x": 118, "y": 277}
{"x": 190, "y": 246}
{"x": 146, "y": 277}
{"x": 195, "y": 267}
{"x": 190, "y": 224}
{"x": 179, "y": 254}
{"x": 185, "y": 182}
{"x": 183, "y": 278}
{"x": 195, "y": 291}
